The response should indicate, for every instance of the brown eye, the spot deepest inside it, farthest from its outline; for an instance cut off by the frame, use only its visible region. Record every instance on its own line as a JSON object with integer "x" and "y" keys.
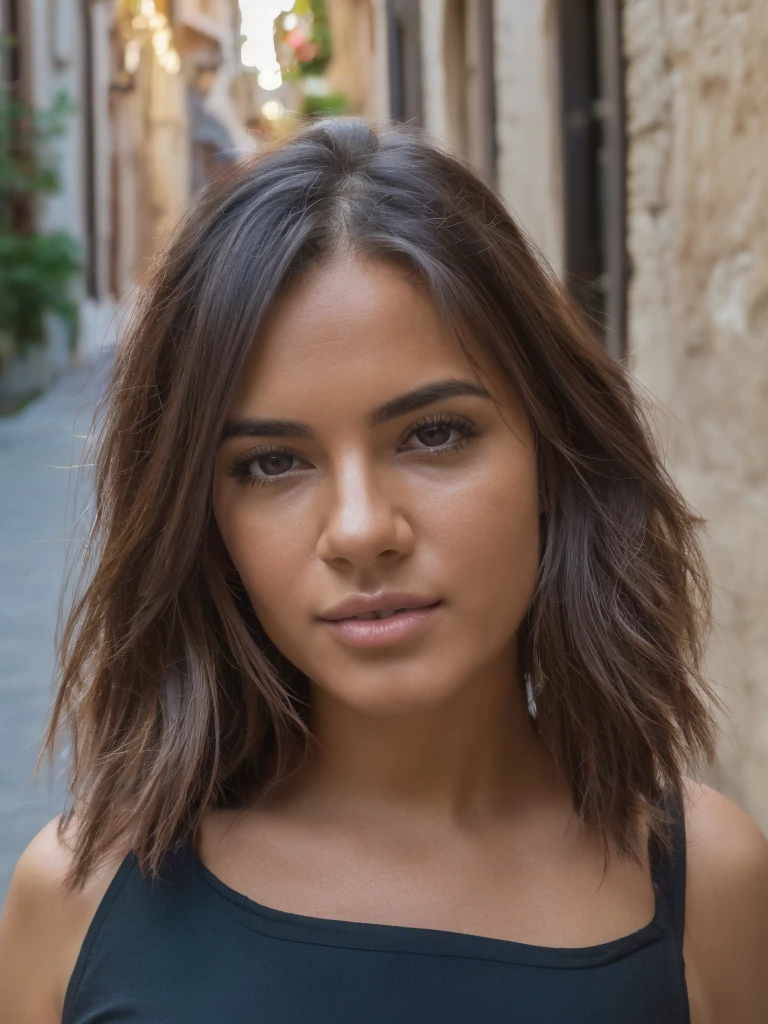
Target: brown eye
{"x": 264, "y": 466}
{"x": 435, "y": 435}
{"x": 273, "y": 465}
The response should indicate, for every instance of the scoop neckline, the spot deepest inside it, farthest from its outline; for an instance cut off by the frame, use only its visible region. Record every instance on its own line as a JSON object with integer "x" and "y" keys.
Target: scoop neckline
{"x": 410, "y": 939}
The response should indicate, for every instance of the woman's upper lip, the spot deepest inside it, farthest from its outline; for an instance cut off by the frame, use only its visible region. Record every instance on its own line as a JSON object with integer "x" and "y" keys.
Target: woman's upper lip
{"x": 362, "y": 604}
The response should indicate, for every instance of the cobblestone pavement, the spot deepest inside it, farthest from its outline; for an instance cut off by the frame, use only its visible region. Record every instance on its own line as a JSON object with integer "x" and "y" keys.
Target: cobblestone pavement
{"x": 38, "y": 503}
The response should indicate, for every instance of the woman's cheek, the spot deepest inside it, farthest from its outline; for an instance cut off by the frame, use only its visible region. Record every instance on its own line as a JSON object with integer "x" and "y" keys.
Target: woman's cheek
{"x": 499, "y": 544}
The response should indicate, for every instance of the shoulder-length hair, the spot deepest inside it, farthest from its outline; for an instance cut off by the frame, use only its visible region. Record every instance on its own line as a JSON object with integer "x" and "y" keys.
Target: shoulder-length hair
{"x": 173, "y": 695}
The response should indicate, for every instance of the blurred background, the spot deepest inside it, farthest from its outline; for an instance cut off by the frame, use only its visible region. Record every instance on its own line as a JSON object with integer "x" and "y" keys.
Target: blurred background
{"x": 629, "y": 138}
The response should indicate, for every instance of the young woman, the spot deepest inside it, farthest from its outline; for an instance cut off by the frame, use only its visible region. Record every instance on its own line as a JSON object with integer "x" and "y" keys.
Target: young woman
{"x": 385, "y": 684}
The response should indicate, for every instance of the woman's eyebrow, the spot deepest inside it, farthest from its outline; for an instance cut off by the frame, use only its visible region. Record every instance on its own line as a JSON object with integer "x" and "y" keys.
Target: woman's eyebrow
{"x": 425, "y": 394}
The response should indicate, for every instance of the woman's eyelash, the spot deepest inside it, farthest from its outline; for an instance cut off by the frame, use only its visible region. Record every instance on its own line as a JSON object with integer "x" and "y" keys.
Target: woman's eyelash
{"x": 465, "y": 427}
{"x": 241, "y": 466}
{"x": 240, "y": 469}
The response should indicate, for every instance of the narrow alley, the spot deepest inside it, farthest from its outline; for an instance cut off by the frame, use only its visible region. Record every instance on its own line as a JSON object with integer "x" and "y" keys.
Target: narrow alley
{"x": 38, "y": 503}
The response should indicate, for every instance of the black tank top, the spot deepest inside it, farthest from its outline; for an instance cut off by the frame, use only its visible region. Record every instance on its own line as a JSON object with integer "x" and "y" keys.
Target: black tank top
{"x": 187, "y": 949}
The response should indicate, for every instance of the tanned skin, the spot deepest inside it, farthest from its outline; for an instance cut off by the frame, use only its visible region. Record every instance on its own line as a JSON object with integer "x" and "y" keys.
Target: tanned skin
{"x": 429, "y": 800}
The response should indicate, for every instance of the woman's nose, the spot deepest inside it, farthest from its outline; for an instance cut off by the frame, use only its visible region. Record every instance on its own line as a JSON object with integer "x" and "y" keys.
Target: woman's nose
{"x": 364, "y": 517}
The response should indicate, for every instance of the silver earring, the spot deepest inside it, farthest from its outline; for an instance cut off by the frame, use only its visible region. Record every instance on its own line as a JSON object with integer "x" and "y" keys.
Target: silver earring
{"x": 531, "y": 695}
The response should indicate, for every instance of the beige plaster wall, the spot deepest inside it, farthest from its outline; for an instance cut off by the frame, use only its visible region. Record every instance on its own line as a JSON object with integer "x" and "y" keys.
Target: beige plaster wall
{"x": 698, "y": 317}
{"x": 527, "y": 123}
{"x": 433, "y": 70}
{"x": 353, "y": 68}
{"x": 56, "y": 38}
{"x": 527, "y": 119}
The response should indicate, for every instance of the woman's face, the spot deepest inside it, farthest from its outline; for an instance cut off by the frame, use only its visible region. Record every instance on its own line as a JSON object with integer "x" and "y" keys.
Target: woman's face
{"x": 360, "y": 487}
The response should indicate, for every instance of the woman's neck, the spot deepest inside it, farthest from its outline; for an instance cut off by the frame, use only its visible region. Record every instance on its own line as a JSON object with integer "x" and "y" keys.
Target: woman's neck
{"x": 475, "y": 758}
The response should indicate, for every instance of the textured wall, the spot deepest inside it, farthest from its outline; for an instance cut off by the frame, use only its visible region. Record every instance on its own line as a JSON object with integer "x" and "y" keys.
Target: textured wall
{"x": 527, "y": 119}
{"x": 527, "y": 102}
{"x": 698, "y": 314}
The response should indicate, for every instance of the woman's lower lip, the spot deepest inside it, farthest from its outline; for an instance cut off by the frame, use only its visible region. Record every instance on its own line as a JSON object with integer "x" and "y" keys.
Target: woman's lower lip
{"x": 402, "y": 626}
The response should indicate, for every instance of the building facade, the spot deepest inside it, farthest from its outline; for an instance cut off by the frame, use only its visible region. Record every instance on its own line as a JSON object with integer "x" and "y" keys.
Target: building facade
{"x": 697, "y": 235}
{"x": 150, "y": 82}
{"x": 49, "y": 58}
{"x": 629, "y": 140}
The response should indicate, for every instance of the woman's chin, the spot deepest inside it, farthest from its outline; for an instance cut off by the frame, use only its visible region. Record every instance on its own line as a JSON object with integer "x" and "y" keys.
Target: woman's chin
{"x": 391, "y": 697}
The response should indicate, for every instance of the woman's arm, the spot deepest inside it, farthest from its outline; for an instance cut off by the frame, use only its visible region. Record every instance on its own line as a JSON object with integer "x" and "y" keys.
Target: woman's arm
{"x": 726, "y": 919}
{"x": 42, "y": 930}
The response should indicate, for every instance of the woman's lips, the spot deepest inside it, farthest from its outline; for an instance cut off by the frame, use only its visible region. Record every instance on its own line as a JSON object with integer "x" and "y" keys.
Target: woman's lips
{"x": 401, "y": 626}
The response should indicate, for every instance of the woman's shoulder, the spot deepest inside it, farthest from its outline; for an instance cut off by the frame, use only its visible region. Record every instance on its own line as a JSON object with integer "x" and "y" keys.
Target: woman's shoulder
{"x": 43, "y": 927}
{"x": 719, "y": 832}
{"x": 726, "y": 850}
{"x": 726, "y": 906}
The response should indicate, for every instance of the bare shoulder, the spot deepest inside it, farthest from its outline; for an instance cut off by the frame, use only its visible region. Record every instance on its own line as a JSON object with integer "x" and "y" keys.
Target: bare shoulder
{"x": 43, "y": 927}
{"x": 727, "y": 851}
{"x": 726, "y": 932}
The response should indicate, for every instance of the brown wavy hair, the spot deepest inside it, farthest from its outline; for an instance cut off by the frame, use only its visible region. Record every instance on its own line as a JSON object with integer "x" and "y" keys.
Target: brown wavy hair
{"x": 174, "y": 697}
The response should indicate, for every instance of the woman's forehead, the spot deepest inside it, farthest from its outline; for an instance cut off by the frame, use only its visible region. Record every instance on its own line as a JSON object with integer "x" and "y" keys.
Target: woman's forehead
{"x": 361, "y": 325}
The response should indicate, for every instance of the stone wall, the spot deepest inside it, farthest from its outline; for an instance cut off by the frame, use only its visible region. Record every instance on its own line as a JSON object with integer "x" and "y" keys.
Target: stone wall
{"x": 697, "y": 86}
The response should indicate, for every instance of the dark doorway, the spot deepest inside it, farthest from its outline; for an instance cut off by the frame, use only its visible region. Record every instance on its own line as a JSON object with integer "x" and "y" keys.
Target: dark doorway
{"x": 13, "y": 33}
{"x": 14, "y": 63}
{"x": 404, "y": 48}
{"x": 89, "y": 154}
{"x": 594, "y": 171}
{"x": 488, "y": 146}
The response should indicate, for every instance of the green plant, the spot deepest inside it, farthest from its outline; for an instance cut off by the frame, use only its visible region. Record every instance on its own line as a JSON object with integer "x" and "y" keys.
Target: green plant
{"x": 35, "y": 271}
{"x": 26, "y": 167}
{"x": 35, "y": 268}
{"x": 319, "y": 106}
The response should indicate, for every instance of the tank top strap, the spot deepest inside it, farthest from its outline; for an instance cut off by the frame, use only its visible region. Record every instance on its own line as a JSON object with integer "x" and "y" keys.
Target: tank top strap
{"x": 668, "y": 865}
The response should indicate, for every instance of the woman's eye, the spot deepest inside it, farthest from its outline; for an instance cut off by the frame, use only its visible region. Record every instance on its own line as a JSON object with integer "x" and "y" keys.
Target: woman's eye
{"x": 273, "y": 465}
{"x": 435, "y": 435}
{"x": 265, "y": 468}
{"x": 261, "y": 467}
